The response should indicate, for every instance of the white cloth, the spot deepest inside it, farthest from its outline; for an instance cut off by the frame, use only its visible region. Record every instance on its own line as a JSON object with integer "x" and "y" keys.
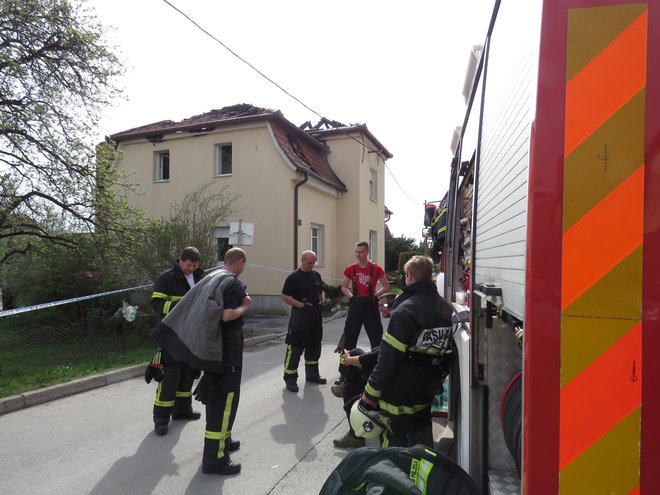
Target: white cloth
{"x": 191, "y": 280}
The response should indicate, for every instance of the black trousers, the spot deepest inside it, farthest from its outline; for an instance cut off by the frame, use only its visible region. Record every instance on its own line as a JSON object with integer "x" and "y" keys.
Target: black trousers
{"x": 312, "y": 353}
{"x": 409, "y": 431}
{"x": 362, "y": 311}
{"x": 173, "y": 395}
{"x": 221, "y": 409}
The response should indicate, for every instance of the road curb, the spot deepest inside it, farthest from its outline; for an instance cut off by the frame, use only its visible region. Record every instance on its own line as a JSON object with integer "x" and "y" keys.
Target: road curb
{"x": 61, "y": 390}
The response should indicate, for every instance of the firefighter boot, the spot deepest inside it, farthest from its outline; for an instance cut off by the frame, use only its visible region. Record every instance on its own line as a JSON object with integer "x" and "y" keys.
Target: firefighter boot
{"x": 183, "y": 407}
{"x": 312, "y": 374}
{"x": 226, "y": 468}
{"x": 348, "y": 440}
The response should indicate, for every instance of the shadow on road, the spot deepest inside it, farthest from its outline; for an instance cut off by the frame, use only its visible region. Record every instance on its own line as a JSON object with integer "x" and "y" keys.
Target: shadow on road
{"x": 140, "y": 473}
{"x": 304, "y": 418}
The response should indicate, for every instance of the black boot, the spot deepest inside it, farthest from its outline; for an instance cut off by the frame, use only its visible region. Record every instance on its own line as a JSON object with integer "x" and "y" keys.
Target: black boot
{"x": 291, "y": 386}
{"x": 316, "y": 379}
{"x": 190, "y": 415}
{"x": 226, "y": 468}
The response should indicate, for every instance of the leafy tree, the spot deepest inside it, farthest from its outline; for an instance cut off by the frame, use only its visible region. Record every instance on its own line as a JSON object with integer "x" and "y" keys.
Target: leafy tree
{"x": 192, "y": 223}
{"x": 56, "y": 74}
{"x": 398, "y": 245}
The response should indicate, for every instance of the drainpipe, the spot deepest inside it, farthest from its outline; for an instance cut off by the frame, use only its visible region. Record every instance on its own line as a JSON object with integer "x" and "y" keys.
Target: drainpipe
{"x": 295, "y": 217}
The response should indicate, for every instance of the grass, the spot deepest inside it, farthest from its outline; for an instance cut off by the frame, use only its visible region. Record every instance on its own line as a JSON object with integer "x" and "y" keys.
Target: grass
{"x": 33, "y": 357}
{"x": 36, "y": 353}
{"x": 19, "y": 377}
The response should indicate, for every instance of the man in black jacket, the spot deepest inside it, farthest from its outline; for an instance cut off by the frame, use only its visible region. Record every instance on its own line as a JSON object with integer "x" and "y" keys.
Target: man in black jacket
{"x": 414, "y": 358}
{"x": 173, "y": 395}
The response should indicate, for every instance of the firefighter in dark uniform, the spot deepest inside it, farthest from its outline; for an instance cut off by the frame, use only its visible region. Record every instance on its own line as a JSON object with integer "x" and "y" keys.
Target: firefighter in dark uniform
{"x": 221, "y": 392}
{"x": 414, "y": 358}
{"x": 303, "y": 290}
{"x": 173, "y": 395}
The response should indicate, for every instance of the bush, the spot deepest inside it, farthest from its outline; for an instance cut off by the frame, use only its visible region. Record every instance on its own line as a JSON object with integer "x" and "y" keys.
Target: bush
{"x": 333, "y": 292}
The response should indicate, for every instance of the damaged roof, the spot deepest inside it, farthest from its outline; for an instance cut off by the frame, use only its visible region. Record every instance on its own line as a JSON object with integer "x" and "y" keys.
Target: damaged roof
{"x": 303, "y": 146}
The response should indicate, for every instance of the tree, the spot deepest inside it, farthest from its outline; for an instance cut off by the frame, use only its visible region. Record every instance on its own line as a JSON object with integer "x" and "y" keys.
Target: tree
{"x": 56, "y": 74}
{"x": 192, "y": 222}
{"x": 398, "y": 245}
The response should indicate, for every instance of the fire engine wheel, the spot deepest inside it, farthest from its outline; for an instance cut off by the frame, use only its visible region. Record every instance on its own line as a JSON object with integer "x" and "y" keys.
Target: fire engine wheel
{"x": 511, "y": 418}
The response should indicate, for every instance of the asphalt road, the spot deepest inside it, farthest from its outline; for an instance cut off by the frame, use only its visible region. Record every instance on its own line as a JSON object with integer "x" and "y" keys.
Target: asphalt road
{"x": 101, "y": 442}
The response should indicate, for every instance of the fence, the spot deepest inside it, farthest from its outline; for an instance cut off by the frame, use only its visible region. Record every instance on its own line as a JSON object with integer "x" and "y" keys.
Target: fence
{"x": 61, "y": 341}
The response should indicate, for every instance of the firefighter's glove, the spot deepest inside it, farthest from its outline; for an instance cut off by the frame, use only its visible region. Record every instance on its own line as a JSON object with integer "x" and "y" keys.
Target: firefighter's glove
{"x": 153, "y": 372}
{"x": 195, "y": 373}
{"x": 154, "y": 369}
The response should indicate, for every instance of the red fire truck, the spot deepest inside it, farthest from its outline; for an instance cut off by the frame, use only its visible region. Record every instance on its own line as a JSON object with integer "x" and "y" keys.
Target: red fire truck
{"x": 553, "y": 248}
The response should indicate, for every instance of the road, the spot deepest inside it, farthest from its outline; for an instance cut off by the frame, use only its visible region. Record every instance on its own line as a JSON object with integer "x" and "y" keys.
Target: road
{"x": 102, "y": 442}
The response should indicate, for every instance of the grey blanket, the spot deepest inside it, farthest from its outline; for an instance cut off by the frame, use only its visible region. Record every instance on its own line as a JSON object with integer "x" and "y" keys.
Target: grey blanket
{"x": 191, "y": 332}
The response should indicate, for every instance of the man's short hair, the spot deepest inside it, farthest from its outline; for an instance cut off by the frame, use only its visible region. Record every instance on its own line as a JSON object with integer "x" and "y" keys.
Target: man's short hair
{"x": 307, "y": 253}
{"x": 363, "y": 244}
{"x": 420, "y": 268}
{"x": 190, "y": 254}
{"x": 234, "y": 255}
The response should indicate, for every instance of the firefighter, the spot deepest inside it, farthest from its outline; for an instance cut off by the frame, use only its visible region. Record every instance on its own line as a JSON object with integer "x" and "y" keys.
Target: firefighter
{"x": 413, "y": 359}
{"x": 303, "y": 291}
{"x": 173, "y": 395}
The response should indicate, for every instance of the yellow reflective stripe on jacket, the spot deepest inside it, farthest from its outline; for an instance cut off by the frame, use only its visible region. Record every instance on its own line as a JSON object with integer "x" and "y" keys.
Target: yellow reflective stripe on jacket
{"x": 184, "y": 394}
{"x": 419, "y": 473}
{"x": 372, "y": 391}
{"x": 167, "y": 297}
{"x": 401, "y": 410}
{"x": 399, "y": 346}
{"x": 168, "y": 300}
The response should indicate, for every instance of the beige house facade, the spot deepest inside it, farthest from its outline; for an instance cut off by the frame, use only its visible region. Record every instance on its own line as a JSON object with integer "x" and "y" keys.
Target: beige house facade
{"x": 332, "y": 174}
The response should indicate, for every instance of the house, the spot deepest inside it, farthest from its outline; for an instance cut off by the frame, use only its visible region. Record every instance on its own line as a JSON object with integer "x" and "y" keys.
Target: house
{"x": 311, "y": 187}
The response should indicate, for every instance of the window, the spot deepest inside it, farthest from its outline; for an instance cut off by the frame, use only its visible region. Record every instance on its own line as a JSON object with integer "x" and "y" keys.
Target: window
{"x": 316, "y": 243}
{"x": 223, "y": 159}
{"x": 222, "y": 242}
{"x": 373, "y": 185}
{"x": 373, "y": 244}
{"x": 162, "y": 165}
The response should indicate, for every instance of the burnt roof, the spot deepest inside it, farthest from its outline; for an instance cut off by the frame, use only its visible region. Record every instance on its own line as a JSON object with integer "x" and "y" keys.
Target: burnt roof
{"x": 303, "y": 150}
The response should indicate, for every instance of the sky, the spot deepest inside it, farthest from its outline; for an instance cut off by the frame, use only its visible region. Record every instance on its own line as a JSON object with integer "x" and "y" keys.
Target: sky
{"x": 397, "y": 67}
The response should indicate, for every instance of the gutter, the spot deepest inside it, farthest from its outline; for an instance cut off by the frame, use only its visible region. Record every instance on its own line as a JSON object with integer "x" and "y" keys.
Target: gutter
{"x": 295, "y": 217}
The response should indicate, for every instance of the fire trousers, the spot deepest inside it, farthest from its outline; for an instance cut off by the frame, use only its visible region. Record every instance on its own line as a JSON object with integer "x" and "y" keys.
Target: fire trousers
{"x": 173, "y": 395}
{"x": 221, "y": 409}
{"x": 292, "y": 360}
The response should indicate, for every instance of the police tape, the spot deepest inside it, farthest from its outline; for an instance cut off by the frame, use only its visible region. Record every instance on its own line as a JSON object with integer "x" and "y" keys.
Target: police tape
{"x": 287, "y": 271}
{"x": 25, "y": 309}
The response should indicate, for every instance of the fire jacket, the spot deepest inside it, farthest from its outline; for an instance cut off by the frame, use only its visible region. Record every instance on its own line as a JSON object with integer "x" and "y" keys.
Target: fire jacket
{"x": 415, "y": 354}
{"x": 395, "y": 470}
{"x": 169, "y": 288}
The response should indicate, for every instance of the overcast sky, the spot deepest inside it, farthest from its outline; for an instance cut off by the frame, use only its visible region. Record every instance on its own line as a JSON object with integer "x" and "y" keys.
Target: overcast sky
{"x": 396, "y": 66}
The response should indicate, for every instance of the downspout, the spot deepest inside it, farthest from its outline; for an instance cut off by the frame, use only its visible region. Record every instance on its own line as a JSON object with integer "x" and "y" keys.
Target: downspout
{"x": 295, "y": 217}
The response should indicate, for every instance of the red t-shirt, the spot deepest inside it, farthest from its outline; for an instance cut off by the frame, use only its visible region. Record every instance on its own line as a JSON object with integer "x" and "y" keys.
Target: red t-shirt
{"x": 362, "y": 277}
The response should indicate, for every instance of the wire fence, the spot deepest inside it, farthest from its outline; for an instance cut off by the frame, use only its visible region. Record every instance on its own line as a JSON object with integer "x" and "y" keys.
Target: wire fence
{"x": 57, "y": 342}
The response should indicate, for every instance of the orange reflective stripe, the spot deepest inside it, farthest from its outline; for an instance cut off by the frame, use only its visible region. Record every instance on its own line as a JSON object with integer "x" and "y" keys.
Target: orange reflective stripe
{"x": 606, "y": 83}
{"x": 601, "y": 396}
{"x": 603, "y": 238}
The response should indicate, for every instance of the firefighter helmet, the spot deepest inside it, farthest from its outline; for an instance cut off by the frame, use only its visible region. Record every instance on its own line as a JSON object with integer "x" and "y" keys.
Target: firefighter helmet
{"x": 367, "y": 423}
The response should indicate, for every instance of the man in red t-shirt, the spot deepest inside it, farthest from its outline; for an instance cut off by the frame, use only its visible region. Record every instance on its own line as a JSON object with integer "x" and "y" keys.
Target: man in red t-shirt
{"x": 359, "y": 286}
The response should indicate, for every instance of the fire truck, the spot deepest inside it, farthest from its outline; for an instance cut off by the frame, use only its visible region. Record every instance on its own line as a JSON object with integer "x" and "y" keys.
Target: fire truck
{"x": 551, "y": 251}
